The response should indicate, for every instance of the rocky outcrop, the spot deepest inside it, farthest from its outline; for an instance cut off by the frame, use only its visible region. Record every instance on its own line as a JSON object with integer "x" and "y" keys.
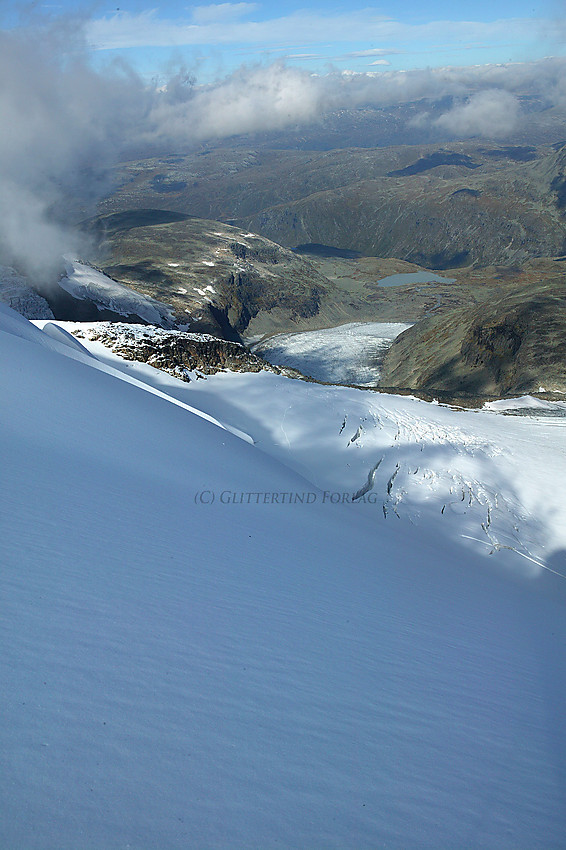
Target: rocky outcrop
{"x": 183, "y": 355}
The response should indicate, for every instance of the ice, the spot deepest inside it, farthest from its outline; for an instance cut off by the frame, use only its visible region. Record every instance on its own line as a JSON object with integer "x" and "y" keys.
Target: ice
{"x": 348, "y": 354}
{"x": 17, "y": 292}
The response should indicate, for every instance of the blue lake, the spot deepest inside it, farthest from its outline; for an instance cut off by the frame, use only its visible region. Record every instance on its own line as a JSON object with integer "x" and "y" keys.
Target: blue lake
{"x": 413, "y": 277}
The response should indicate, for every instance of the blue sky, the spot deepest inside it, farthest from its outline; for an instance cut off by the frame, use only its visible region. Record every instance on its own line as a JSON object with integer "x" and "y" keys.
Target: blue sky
{"x": 213, "y": 39}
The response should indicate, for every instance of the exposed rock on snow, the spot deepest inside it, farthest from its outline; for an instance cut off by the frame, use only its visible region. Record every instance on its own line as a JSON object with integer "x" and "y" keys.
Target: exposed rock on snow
{"x": 178, "y": 353}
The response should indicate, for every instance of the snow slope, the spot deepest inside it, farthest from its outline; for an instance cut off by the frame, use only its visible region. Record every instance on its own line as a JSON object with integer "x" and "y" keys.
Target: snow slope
{"x": 178, "y": 673}
{"x": 83, "y": 282}
{"x": 492, "y": 480}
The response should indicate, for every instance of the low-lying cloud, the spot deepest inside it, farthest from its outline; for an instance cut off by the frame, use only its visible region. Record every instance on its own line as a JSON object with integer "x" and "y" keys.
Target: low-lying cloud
{"x": 65, "y": 124}
{"x": 62, "y": 126}
{"x": 494, "y": 113}
{"x": 249, "y": 100}
{"x": 485, "y": 100}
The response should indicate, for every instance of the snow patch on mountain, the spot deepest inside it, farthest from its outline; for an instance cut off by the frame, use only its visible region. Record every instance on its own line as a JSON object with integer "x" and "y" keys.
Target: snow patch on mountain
{"x": 85, "y": 283}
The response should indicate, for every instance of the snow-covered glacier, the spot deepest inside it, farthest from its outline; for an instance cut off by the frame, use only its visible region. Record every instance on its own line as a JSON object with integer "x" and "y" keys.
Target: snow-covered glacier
{"x": 186, "y": 671}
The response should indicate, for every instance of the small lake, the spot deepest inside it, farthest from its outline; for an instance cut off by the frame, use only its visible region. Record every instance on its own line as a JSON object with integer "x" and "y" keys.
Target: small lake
{"x": 413, "y": 277}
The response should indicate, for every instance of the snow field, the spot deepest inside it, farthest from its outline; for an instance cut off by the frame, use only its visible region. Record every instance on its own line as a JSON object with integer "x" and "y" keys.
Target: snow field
{"x": 179, "y": 675}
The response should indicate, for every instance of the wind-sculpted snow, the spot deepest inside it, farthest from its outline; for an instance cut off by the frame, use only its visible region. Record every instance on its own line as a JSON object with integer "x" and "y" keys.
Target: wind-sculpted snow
{"x": 254, "y": 672}
{"x": 61, "y": 335}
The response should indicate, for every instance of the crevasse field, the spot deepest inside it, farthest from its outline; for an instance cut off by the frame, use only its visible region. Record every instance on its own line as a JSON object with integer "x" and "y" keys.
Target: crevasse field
{"x": 349, "y": 354}
{"x": 253, "y": 612}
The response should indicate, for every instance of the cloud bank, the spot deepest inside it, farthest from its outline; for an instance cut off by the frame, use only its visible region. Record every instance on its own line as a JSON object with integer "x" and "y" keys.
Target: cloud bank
{"x": 62, "y": 125}
{"x": 494, "y": 113}
{"x": 485, "y": 99}
{"x": 65, "y": 124}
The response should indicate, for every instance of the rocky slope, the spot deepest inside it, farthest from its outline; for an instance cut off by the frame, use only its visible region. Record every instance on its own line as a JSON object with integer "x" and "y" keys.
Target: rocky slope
{"x": 513, "y": 345}
{"x": 215, "y": 278}
{"x": 212, "y": 278}
{"x": 438, "y": 216}
{"x": 183, "y": 355}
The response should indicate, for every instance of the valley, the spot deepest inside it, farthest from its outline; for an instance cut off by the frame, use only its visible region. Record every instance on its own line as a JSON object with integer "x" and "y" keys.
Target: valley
{"x": 247, "y": 243}
{"x": 253, "y": 237}
{"x": 465, "y": 203}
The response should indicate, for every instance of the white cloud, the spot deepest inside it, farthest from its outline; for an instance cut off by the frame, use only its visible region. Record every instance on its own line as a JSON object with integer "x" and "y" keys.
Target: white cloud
{"x": 304, "y": 56}
{"x": 263, "y": 98}
{"x": 493, "y": 113}
{"x": 63, "y": 123}
{"x": 211, "y": 27}
{"x": 222, "y": 12}
{"x": 250, "y": 100}
{"x": 374, "y": 51}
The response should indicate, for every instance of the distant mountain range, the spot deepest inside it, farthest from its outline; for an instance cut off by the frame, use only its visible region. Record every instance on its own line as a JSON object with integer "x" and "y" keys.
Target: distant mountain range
{"x": 462, "y": 203}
